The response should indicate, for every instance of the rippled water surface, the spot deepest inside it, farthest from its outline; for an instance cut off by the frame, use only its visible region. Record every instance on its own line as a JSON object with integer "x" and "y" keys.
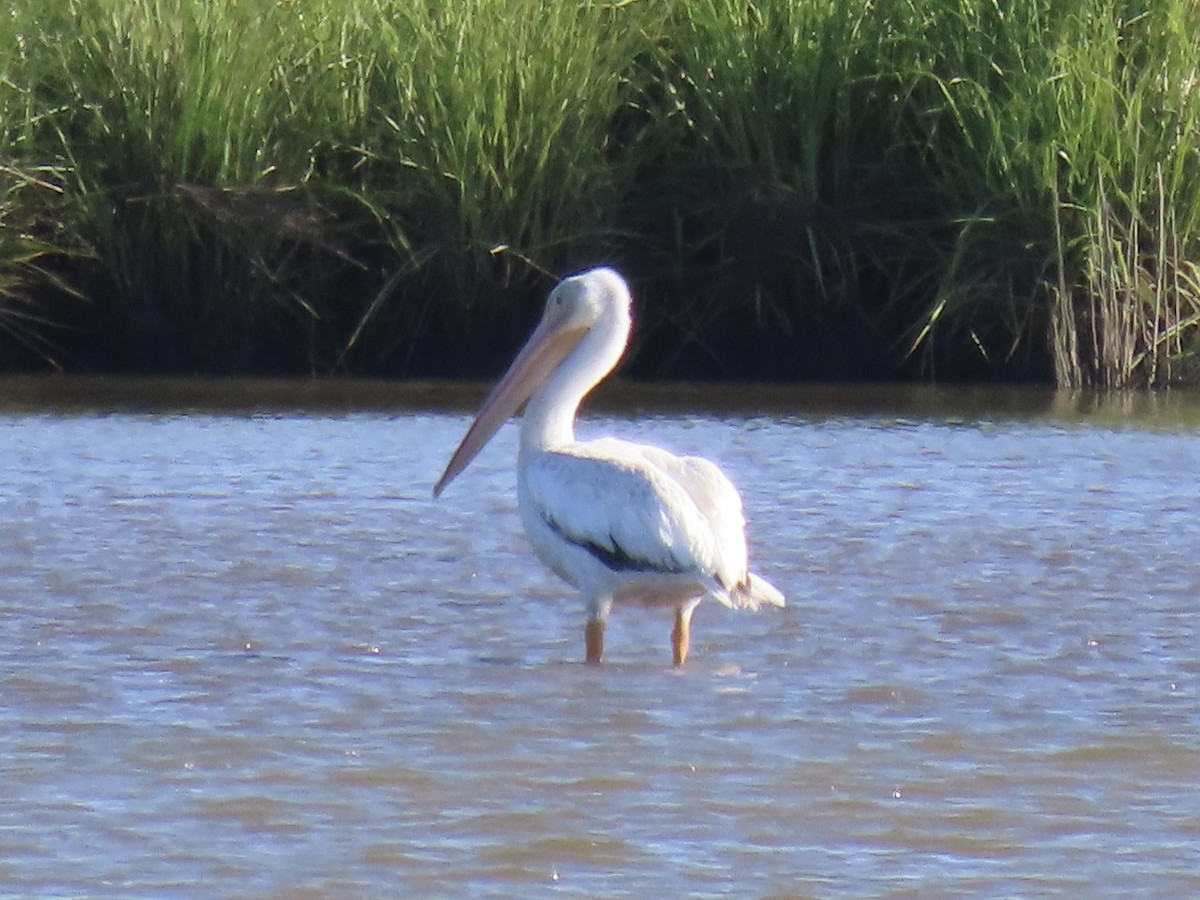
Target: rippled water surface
{"x": 244, "y": 653}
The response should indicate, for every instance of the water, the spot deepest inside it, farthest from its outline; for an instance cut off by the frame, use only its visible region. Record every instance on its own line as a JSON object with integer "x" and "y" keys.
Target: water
{"x": 244, "y": 654}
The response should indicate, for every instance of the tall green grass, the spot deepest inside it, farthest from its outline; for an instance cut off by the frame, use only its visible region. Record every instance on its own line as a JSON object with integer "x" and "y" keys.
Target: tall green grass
{"x": 763, "y": 177}
{"x": 486, "y": 147}
{"x": 807, "y": 189}
{"x": 1063, "y": 144}
{"x": 1138, "y": 183}
{"x": 29, "y": 184}
{"x": 187, "y": 145}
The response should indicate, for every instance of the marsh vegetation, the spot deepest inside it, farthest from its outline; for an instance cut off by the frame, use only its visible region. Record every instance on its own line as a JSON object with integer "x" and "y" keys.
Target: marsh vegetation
{"x": 815, "y": 189}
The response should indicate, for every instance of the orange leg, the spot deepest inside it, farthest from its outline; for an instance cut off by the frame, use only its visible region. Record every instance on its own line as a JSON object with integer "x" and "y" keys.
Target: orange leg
{"x": 681, "y": 635}
{"x": 594, "y": 638}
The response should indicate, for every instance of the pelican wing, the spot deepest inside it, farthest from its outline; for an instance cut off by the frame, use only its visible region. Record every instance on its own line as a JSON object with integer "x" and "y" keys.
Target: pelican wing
{"x": 718, "y": 502}
{"x": 641, "y": 509}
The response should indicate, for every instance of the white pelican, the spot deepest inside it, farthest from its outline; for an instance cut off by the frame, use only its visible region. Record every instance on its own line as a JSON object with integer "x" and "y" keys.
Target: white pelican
{"x": 621, "y": 522}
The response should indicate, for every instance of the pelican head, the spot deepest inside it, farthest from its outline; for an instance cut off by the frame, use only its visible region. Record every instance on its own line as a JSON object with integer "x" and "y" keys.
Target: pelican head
{"x": 580, "y": 338}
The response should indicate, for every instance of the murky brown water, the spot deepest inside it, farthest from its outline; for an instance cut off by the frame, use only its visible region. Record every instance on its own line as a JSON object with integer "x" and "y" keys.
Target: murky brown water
{"x": 244, "y": 653}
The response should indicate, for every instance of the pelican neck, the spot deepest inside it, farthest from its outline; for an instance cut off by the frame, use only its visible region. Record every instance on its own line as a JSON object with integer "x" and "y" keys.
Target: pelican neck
{"x": 549, "y": 420}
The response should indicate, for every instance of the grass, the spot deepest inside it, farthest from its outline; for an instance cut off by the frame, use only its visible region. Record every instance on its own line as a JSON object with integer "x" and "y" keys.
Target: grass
{"x": 803, "y": 190}
{"x": 485, "y": 143}
{"x": 765, "y": 181}
{"x": 1064, "y": 145}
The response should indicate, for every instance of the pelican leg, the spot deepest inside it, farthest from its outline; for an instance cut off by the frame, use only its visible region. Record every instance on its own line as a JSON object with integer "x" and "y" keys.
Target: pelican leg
{"x": 681, "y": 635}
{"x": 594, "y": 638}
{"x": 598, "y": 609}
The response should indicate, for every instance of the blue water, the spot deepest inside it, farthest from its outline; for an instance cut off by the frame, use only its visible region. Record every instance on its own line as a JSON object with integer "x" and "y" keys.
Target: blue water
{"x": 245, "y": 654}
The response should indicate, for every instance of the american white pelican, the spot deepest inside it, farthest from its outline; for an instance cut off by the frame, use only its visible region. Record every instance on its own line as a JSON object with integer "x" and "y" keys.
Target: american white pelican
{"x": 621, "y": 522}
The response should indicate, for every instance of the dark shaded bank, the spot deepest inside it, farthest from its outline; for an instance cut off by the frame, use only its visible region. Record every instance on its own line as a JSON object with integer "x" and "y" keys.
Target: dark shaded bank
{"x": 670, "y": 342}
{"x": 840, "y": 345}
{"x": 72, "y": 395}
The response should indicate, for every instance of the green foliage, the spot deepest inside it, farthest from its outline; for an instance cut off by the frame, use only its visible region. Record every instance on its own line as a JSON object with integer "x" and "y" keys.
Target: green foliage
{"x": 164, "y": 117}
{"x": 30, "y": 188}
{"x": 761, "y": 163}
{"x": 485, "y": 145}
{"x": 960, "y": 189}
{"x": 1062, "y": 138}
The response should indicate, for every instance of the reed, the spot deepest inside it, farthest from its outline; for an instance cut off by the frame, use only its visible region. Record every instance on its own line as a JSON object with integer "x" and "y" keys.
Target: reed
{"x": 762, "y": 168}
{"x": 1138, "y": 302}
{"x": 806, "y": 189}
{"x": 27, "y": 330}
{"x": 486, "y": 144}
{"x": 134, "y": 102}
{"x": 1063, "y": 139}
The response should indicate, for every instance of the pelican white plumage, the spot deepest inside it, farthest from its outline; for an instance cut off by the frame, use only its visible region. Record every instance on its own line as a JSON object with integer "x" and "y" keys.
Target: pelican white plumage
{"x": 621, "y": 522}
